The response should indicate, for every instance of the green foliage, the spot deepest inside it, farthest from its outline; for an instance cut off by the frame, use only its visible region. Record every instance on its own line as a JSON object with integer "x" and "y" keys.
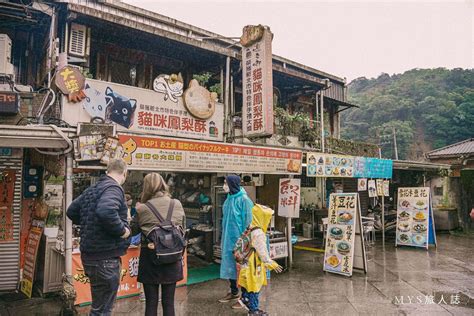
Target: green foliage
{"x": 429, "y": 107}
{"x": 203, "y": 78}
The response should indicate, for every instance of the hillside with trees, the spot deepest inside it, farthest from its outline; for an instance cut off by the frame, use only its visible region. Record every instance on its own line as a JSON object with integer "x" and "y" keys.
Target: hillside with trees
{"x": 426, "y": 108}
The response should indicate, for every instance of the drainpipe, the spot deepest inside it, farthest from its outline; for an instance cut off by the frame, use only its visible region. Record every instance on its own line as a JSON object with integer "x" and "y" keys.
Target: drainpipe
{"x": 68, "y": 228}
{"x": 227, "y": 97}
{"x": 68, "y": 292}
{"x": 321, "y": 115}
{"x": 51, "y": 41}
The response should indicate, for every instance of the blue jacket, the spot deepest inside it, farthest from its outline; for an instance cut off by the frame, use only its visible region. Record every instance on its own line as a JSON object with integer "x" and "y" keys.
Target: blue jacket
{"x": 237, "y": 215}
{"x": 101, "y": 211}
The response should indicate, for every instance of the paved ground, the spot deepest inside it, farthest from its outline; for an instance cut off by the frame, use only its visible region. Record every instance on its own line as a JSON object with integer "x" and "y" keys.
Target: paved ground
{"x": 401, "y": 281}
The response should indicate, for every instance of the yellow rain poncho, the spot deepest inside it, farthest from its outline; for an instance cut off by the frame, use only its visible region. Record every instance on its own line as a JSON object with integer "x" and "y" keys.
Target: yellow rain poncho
{"x": 253, "y": 275}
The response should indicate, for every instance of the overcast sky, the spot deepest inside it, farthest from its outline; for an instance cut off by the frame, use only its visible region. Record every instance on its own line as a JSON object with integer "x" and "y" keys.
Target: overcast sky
{"x": 345, "y": 38}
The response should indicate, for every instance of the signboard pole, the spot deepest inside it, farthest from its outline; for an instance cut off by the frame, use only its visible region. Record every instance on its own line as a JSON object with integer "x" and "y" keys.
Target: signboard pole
{"x": 383, "y": 222}
{"x": 290, "y": 248}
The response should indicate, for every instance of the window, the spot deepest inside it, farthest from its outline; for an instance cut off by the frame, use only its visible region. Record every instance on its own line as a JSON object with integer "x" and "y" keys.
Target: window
{"x": 438, "y": 191}
{"x": 306, "y": 182}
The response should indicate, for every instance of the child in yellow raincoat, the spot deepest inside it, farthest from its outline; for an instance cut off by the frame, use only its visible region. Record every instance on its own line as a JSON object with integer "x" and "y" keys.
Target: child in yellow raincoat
{"x": 253, "y": 274}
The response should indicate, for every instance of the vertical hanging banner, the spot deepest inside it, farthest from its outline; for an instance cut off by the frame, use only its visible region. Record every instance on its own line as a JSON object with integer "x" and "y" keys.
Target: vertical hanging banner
{"x": 257, "y": 82}
{"x": 289, "y": 198}
{"x": 345, "y": 248}
{"x": 415, "y": 223}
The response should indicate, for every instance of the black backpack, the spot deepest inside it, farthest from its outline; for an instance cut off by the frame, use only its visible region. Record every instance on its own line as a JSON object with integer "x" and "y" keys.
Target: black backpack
{"x": 169, "y": 239}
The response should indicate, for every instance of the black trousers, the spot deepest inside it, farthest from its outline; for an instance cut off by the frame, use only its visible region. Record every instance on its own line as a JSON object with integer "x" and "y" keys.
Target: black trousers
{"x": 104, "y": 276}
{"x": 233, "y": 287}
{"x": 152, "y": 297}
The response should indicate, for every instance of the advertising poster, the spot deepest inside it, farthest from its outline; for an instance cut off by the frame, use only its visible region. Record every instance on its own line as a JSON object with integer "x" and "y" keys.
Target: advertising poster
{"x": 413, "y": 214}
{"x": 289, "y": 198}
{"x": 128, "y": 276}
{"x": 278, "y": 250}
{"x": 325, "y": 165}
{"x": 386, "y": 188}
{"x": 158, "y": 153}
{"x": 341, "y": 233}
{"x": 53, "y": 194}
{"x": 138, "y": 110}
{"x": 31, "y": 252}
{"x": 379, "y": 184}
{"x": 257, "y": 81}
{"x": 372, "y": 188}
{"x": 6, "y": 224}
{"x": 362, "y": 184}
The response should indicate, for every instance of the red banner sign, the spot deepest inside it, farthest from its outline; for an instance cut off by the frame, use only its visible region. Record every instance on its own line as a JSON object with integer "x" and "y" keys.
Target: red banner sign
{"x": 31, "y": 253}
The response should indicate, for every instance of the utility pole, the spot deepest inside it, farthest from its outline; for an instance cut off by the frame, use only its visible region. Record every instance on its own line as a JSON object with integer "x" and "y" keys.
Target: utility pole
{"x": 395, "y": 142}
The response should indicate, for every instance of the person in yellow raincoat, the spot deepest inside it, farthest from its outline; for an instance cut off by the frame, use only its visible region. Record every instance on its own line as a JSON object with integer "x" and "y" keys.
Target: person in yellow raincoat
{"x": 253, "y": 274}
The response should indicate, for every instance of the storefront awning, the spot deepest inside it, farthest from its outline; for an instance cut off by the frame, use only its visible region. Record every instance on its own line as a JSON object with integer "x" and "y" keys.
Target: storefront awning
{"x": 341, "y": 104}
{"x": 35, "y": 136}
{"x": 418, "y": 165}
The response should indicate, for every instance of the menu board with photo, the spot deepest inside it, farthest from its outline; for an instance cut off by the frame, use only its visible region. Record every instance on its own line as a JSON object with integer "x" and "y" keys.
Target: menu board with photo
{"x": 362, "y": 184}
{"x": 344, "y": 240}
{"x": 413, "y": 215}
{"x": 324, "y": 165}
{"x": 372, "y": 189}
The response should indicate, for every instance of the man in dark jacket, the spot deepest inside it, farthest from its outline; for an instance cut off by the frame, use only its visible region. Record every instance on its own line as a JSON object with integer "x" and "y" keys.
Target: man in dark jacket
{"x": 101, "y": 210}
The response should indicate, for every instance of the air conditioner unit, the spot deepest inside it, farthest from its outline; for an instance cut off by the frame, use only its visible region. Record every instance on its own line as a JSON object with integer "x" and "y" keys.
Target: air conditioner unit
{"x": 78, "y": 40}
{"x": 6, "y": 66}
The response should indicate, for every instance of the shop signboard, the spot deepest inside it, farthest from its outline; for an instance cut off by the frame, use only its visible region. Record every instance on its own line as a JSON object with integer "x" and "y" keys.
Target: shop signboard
{"x": 138, "y": 110}
{"x": 128, "y": 276}
{"x": 365, "y": 167}
{"x": 289, "y": 198}
{"x": 168, "y": 154}
{"x": 257, "y": 82}
{"x": 7, "y": 192}
{"x": 340, "y": 166}
{"x": 278, "y": 250}
{"x": 327, "y": 165}
{"x": 344, "y": 243}
{"x": 31, "y": 253}
{"x": 415, "y": 223}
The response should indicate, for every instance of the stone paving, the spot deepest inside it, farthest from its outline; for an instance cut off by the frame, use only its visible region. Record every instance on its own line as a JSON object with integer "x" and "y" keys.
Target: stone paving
{"x": 400, "y": 281}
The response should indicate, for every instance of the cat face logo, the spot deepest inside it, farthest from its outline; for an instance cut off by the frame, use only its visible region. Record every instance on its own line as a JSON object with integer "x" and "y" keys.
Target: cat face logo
{"x": 96, "y": 103}
{"x": 122, "y": 109}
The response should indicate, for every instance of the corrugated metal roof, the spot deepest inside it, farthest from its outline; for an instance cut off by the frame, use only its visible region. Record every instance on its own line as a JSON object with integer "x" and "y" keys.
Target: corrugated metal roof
{"x": 461, "y": 148}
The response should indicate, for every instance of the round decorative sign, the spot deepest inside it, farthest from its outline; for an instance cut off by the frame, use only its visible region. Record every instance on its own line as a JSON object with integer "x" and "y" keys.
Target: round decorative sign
{"x": 199, "y": 101}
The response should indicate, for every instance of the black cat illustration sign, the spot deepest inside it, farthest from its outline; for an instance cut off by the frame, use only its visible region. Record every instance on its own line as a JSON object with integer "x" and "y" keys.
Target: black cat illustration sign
{"x": 142, "y": 110}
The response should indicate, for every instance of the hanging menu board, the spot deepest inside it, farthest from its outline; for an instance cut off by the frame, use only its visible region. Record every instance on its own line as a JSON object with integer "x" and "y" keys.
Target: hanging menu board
{"x": 324, "y": 165}
{"x": 413, "y": 217}
{"x": 344, "y": 243}
{"x": 330, "y": 165}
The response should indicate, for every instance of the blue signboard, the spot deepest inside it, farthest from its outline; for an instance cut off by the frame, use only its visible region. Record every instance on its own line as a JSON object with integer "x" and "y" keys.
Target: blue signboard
{"x": 373, "y": 168}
